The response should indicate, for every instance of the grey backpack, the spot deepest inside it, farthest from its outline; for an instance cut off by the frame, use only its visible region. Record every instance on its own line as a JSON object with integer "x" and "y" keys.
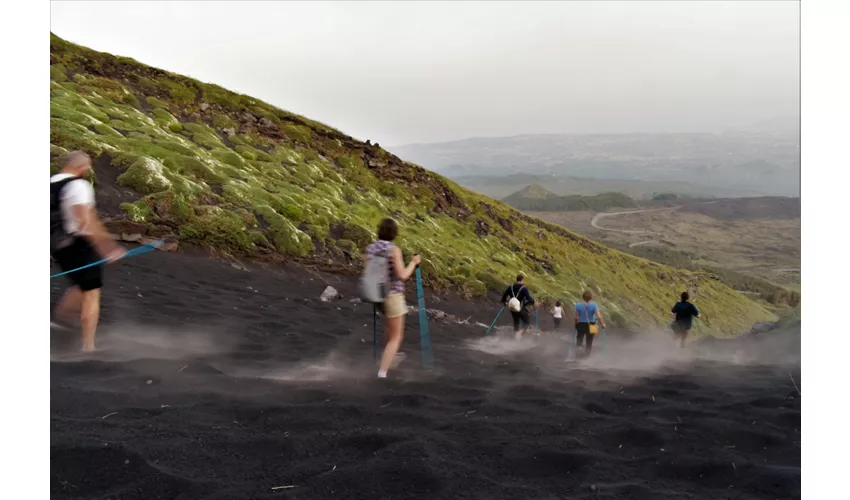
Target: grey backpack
{"x": 374, "y": 283}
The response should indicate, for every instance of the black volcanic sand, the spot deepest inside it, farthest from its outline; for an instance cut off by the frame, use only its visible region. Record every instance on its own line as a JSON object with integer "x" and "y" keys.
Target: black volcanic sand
{"x": 219, "y": 383}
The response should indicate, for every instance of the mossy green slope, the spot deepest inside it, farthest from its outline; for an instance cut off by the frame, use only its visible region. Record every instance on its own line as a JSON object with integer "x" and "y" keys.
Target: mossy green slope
{"x": 233, "y": 173}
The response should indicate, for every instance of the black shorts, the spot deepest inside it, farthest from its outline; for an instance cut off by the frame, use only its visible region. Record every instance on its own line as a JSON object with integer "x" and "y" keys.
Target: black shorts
{"x": 80, "y": 253}
{"x": 522, "y": 315}
{"x": 680, "y": 329}
{"x": 557, "y": 323}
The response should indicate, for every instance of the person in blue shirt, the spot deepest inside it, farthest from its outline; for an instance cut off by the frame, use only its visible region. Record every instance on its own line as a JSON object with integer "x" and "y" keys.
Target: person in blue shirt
{"x": 521, "y": 293}
{"x": 587, "y": 314}
{"x": 683, "y": 316}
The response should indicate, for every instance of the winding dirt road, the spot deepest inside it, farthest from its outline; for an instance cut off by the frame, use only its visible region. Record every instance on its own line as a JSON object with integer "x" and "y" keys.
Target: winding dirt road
{"x": 595, "y": 221}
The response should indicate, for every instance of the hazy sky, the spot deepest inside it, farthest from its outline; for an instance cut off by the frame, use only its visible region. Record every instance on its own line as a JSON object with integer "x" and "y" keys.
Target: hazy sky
{"x": 401, "y": 72}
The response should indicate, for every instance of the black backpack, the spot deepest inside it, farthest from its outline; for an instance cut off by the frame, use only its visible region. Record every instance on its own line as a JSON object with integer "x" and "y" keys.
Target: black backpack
{"x": 59, "y": 238}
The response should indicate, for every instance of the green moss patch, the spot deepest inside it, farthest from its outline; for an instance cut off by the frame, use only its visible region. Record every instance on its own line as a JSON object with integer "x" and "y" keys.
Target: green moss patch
{"x": 305, "y": 190}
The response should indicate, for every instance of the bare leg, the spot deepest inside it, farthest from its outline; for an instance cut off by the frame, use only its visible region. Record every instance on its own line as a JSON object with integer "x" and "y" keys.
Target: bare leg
{"x": 519, "y": 333}
{"x": 89, "y": 317}
{"x": 395, "y": 334}
{"x": 69, "y": 307}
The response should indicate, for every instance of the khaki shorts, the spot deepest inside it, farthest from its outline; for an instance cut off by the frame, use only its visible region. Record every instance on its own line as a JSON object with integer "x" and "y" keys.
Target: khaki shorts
{"x": 394, "y": 305}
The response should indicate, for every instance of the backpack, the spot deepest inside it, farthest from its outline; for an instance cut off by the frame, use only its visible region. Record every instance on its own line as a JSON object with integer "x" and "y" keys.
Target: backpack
{"x": 59, "y": 238}
{"x": 514, "y": 304}
{"x": 374, "y": 283}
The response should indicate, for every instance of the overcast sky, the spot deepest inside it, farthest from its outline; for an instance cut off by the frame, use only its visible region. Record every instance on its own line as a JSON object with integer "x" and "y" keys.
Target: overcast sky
{"x": 403, "y": 72}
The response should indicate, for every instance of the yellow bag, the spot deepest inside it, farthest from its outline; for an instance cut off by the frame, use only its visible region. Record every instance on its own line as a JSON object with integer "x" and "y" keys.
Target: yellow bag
{"x": 592, "y": 329}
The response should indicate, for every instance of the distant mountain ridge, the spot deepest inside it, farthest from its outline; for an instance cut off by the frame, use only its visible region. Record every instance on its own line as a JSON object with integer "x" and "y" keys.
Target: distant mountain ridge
{"x": 535, "y": 197}
{"x": 764, "y": 162}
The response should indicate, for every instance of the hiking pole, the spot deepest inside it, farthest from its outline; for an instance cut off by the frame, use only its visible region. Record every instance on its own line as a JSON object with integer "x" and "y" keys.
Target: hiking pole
{"x": 603, "y": 339}
{"x": 136, "y": 251}
{"x": 494, "y": 320}
{"x": 425, "y": 338}
{"x": 375, "y": 331}
{"x": 699, "y": 326}
{"x": 572, "y": 342}
{"x": 537, "y": 322}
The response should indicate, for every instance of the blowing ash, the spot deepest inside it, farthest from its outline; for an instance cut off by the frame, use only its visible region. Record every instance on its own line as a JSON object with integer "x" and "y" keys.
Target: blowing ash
{"x": 627, "y": 356}
{"x": 135, "y": 341}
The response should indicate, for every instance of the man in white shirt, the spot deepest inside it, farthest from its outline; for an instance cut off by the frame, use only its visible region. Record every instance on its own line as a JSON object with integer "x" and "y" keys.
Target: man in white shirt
{"x": 78, "y": 239}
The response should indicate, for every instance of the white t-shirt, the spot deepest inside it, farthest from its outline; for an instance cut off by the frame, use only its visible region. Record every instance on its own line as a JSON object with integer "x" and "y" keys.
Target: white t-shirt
{"x": 558, "y": 312}
{"x": 78, "y": 192}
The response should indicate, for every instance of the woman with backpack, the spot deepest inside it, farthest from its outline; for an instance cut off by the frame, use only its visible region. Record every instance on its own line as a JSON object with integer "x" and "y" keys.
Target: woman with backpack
{"x": 586, "y": 316}
{"x": 395, "y": 308}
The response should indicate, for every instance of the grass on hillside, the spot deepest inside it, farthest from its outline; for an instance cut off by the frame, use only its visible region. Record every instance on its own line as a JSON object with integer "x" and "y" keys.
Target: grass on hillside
{"x": 230, "y": 172}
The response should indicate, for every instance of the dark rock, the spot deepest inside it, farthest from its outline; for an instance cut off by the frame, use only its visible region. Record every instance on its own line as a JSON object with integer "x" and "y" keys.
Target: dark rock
{"x": 482, "y": 229}
{"x": 506, "y": 224}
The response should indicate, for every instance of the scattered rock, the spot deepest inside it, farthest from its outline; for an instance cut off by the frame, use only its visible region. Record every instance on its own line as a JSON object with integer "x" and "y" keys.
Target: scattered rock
{"x": 761, "y": 327}
{"x": 131, "y": 237}
{"x": 376, "y": 163}
{"x": 265, "y": 122}
{"x": 355, "y": 300}
{"x": 125, "y": 226}
{"x": 436, "y": 314}
{"x": 229, "y": 131}
{"x": 204, "y": 106}
{"x": 168, "y": 246}
{"x": 330, "y": 294}
{"x": 506, "y": 224}
{"x": 594, "y": 488}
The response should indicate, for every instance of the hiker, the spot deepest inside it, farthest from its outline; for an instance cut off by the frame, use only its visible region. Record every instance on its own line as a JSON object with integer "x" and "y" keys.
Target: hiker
{"x": 520, "y": 299}
{"x": 77, "y": 239}
{"x": 683, "y": 316}
{"x": 557, "y": 314}
{"x": 394, "y": 306}
{"x": 587, "y": 314}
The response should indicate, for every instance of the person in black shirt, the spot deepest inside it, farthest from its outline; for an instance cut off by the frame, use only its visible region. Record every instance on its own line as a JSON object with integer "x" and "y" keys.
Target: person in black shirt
{"x": 683, "y": 313}
{"x": 523, "y": 296}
